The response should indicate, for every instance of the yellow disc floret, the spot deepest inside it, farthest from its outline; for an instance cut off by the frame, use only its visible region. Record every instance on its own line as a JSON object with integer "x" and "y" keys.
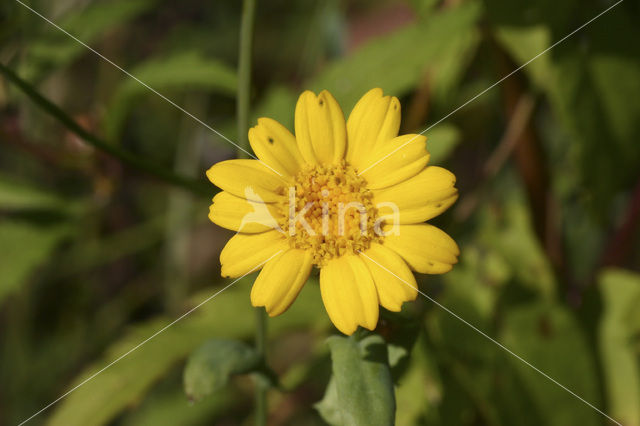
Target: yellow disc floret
{"x": 329, "y": 211}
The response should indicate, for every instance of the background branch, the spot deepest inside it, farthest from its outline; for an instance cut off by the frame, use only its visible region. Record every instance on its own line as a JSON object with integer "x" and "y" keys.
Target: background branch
{"x": 161, "y": 172}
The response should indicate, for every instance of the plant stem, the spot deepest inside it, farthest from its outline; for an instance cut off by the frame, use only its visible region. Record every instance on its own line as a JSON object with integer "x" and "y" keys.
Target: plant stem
{"x": 261, "y": 384}
{"x": 244, "y": 92}
{"x": 161, "y": 172}
{"x": 244, "y": 73}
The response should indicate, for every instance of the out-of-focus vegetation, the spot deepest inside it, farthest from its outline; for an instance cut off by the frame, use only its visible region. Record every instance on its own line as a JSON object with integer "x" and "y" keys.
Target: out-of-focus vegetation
{"x": 97, "y": 256}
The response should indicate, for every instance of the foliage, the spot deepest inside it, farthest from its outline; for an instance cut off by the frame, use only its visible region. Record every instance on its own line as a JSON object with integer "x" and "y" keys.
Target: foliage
{"x": 360, "y": 391}
{"x": 211, "y": 365}
{"x": 617, "y": 330}
{"x": 100, "y": 254}
{"x": 128, "y": 380}
{"x": 184, "y": 71}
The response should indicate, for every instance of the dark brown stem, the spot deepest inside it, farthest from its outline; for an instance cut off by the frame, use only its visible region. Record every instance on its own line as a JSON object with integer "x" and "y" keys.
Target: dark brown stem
{"x": 418, "y": 109}
{"x": 499, "y": 156}
{"x": 532, "y": 167}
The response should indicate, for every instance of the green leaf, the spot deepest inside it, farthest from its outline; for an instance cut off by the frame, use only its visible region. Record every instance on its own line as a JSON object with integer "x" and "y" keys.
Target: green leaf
{"x": 548, "y": 337}
{"x": 424, "y": 7}
{"x": 395, "y": 63}
{"x": 25, "y": 247}
{"x": 419, "y": 390}
{"x": 228, "y": 315}
{"x": 588, "y": 80}
{"x": 392, "y": 63}
{"x": 171, "y": 408}
{"x": 509, "y": 233}
{"x": 179, "y": 72}
{"x": 620, "y": 296}
{"x": 16, "y": 195}
{"x": 92, "y": 253}
{"x": 441, "y": 141}
{"x": 57, "y": 49}
{"x": 401, "y": 331}
{"x": 361, "y": 389}
{"x": 211, "y": 365}
{"x": 524, "y": 43}
{"x": 591, "y": 96}
{"x": 465, "y": 294}
{"x": 330, "y": 406}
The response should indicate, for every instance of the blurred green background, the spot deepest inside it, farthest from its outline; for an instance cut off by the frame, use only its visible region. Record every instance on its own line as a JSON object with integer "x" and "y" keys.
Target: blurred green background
{"x": 96, "y": 256}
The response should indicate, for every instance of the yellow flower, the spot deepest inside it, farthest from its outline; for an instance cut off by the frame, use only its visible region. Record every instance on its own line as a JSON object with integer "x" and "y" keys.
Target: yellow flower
{"x": 348, "y": 198}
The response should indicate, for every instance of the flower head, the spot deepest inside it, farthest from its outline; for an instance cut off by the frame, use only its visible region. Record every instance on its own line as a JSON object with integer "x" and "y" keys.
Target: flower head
{"x": 349, "y": 198}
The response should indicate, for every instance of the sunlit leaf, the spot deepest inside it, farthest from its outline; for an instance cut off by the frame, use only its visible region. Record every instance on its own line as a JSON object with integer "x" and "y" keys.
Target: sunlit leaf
{"x": 525, "y": 43}
{"x": 510, "y": 233}
{"x": 393, "y": 62}
{"x": 228, "y": 315}
{"x": 621, "y": 297}
{"x": 398, "y": 61}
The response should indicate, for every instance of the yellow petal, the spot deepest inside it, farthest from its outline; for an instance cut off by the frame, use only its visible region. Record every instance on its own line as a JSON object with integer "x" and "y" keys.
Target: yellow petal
{"x": 276, "y": 146}
{"x": 349, "y": 294}
{"x": 424, "y": 247}
{"x": 419, "y": 198}
{"x": 245, "y": 253}
{"x": 248, "y": 179}
{"x": 394, "y": 280}
{"x": 320, "y": 128}
{"x": 397, "y": 160}
{"x": 281, "y": 280}
{"x": 374, "y": 120}
{"x": 241, "y": 215}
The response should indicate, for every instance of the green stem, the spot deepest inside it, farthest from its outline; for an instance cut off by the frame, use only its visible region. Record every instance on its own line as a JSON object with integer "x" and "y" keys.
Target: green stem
{"x": 244, "y": 73}
{"x": 161, "y": 172}
{"x": 261, "y": 382}
{"x": 244, "y": 93}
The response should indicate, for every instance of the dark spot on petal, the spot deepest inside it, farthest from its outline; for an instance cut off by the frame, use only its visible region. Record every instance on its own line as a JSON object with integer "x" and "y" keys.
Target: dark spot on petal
{"x": 438, "y": 205}
{"x": 431, "y": 264}
{"x": 270, "y": 140}
{"x": 321, "y": 102}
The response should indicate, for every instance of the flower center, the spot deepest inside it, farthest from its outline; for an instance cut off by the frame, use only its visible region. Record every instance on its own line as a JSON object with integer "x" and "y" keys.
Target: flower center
{"x": 330, "y": 212}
